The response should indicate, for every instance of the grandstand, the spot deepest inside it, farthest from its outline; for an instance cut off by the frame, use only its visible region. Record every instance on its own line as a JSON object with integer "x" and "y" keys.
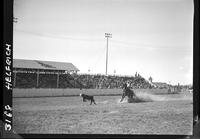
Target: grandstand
{"x": 42, "y": 74}
{"x": 48, "y": 74}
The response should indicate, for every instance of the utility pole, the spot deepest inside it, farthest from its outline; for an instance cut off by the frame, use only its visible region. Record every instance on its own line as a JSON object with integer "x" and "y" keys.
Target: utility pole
{"x": 107, "y": 35}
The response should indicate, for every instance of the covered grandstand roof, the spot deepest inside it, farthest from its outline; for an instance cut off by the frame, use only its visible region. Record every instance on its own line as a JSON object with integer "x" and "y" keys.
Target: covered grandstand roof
{"x": 44, "y": 65}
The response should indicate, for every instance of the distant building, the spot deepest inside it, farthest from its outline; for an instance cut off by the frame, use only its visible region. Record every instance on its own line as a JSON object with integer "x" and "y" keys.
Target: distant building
{"x": 160, "y": 84}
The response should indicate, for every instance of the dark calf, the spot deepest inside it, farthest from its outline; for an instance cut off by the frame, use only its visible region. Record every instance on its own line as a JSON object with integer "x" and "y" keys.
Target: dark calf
{"x": 87, "y": 97}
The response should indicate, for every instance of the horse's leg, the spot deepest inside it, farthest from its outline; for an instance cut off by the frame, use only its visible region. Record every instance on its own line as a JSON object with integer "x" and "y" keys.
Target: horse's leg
{"x": 131, "y": 94}
{"x": 123, "y": 96}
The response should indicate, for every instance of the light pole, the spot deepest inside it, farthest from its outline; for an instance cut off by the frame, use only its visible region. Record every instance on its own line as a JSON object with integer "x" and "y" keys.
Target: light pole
{"x": 107, "y": 35}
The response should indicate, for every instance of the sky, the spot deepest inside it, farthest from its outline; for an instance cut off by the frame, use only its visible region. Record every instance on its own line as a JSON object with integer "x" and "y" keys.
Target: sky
{"x": 151, "y": 37}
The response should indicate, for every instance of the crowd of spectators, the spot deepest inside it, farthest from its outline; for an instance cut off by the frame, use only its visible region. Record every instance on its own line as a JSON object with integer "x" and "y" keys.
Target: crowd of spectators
{"x": 29, "y": 80}
{"x": 110, "y": 81}
{"x": 25, "y": 80}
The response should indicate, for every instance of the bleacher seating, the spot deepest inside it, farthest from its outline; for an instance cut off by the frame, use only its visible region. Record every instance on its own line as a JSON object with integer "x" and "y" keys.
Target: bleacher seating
{"x": 47, "y": 81}
{"x": 26, "y": 80}
{"x": 29, "y": 80}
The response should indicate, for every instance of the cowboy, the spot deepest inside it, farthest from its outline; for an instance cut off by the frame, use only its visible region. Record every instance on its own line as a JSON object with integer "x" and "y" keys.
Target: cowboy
{"x": 128, "y": 84}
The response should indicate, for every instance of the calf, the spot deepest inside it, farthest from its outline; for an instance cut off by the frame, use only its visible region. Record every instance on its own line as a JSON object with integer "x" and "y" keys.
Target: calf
{"x": 87, "y": 97}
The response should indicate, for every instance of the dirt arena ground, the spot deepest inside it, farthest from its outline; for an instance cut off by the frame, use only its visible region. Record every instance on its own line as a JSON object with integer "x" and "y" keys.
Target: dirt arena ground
{"x": 159, "y": 114}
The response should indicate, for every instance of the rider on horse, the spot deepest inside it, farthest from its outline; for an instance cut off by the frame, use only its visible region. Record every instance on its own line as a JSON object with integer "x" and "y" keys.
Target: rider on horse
{"x": 127, "y": 91}
{"x": 128, "y": 84}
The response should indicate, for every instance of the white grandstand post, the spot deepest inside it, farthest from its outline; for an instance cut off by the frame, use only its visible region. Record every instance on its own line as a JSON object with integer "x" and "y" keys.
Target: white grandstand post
{"x": 107, "y": 35}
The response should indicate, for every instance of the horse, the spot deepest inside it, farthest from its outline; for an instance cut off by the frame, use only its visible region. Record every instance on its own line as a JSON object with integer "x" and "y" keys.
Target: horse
{"x": 127, "y": 92}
